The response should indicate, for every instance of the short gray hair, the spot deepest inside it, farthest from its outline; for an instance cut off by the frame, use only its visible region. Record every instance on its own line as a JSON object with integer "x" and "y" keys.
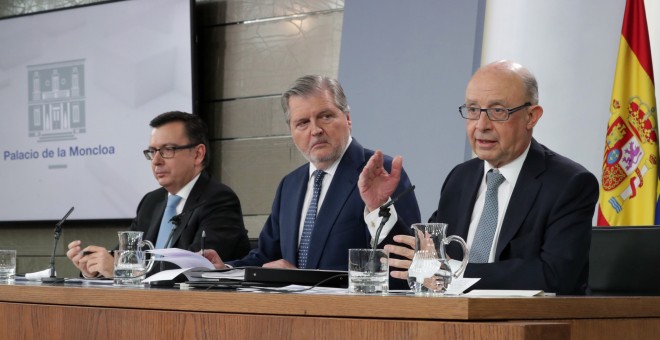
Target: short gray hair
{"x": 315, "y": 84}
{"x": 531, "y": 86}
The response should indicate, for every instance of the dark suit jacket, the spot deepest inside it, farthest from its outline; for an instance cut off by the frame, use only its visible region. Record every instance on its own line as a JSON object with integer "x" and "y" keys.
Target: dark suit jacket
{"x": 546, "y": 232}
{"x": 211, "y": 206}
{"x": 339, "y": 223}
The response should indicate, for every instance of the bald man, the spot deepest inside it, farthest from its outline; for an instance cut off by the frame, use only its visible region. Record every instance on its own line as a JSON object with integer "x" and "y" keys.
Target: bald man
{"x": 545, "y": 202}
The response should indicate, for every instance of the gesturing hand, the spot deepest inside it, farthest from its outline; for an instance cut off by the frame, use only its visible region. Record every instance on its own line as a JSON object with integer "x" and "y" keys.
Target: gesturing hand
{"x": 376, "y": 184}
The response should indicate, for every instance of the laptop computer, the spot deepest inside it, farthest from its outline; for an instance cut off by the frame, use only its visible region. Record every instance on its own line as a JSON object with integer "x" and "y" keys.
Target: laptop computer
{"x": 308, "y": 277}
{"x": 277, "y": 277}
{"x": 625, "y": 260}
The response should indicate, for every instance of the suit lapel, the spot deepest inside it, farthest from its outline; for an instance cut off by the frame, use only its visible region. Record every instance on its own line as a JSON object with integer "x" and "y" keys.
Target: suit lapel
{"x": 472, "y": 183}
{"x": 154, "y": 224}
{"x": 291, "y": 204}
{"x": 344, "y": 182}
{"x": 523, "y": 196}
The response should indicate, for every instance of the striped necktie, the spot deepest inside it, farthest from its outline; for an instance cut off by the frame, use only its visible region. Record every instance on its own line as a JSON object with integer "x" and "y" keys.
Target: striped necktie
{"x": 310, "y": 219}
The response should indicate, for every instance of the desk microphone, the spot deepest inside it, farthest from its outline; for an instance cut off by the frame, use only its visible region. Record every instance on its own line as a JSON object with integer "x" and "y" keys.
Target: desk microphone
{"x": 58, "y": 233}
{"x": 384, "y": 213}
{"x": 176, "y": 220}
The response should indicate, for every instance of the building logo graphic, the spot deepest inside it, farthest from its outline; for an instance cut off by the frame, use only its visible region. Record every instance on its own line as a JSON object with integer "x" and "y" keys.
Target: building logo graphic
{"x": 56, "y": 104}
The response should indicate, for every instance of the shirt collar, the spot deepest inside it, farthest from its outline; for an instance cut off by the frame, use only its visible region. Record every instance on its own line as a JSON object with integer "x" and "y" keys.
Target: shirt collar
{"x": 510, "y": 171}
{"x": 185, "y": 191}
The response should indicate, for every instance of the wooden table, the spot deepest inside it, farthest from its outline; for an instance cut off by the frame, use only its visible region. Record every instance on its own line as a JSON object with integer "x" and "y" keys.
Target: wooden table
{"x": 75, "y": 312}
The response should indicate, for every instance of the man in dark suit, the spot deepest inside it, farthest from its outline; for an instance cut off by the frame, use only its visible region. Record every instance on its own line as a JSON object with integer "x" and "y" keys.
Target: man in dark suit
{"x": 178, "y": 154}
{"x": 319, "y": 119}
{"x": 541, "y": 227}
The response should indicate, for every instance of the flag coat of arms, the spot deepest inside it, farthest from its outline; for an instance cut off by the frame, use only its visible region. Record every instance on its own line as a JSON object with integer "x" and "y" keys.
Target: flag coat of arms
{"x": 629, "y": 189}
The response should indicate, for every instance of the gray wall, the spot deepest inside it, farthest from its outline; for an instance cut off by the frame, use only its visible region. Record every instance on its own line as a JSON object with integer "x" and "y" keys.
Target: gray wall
{"x": 249, "y": 55}
{"x": 404, "y": 74}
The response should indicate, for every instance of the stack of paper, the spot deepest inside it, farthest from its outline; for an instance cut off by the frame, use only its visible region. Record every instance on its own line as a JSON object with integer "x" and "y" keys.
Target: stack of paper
{"x": 188, "y": 261}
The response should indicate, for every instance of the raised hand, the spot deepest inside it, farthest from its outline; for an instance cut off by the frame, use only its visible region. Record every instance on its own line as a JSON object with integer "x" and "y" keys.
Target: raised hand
{"x": 376, "y": 184}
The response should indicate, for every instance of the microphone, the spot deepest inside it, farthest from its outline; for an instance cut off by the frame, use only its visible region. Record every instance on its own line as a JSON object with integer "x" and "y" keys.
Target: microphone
{"x": 176, "y": 220}
{"x": 58, "y": 233}
{"x": 384, "y": 213}
{"x": 384, "y": 207}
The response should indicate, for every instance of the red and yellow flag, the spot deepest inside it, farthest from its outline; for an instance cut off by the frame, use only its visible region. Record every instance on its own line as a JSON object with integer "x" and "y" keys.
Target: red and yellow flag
{"x": 629, "y": 191}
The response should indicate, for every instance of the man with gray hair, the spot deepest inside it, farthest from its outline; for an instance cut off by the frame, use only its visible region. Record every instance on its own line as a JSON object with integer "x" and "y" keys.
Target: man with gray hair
{"x": 317, "y": 213}
{"x": 525, "y": 211}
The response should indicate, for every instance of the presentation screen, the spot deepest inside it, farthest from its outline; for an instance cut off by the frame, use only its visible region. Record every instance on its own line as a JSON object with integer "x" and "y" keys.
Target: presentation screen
{"x": 78, "y": 88}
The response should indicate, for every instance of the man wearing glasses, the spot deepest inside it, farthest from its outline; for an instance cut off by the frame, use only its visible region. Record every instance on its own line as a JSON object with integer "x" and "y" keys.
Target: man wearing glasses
{"x": 525, "y": 211}
{"x": 178, "y": 154}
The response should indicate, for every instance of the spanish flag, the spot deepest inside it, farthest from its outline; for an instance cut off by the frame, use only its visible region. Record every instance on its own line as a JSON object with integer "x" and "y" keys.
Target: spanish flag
{"x": 630, "y": 185}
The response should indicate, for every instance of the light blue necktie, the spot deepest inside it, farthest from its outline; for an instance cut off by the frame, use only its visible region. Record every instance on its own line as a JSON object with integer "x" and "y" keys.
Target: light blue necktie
{"x": 165, "y": 224}
{"x": 310, "y": 218}
{"x": 483, "y": 239}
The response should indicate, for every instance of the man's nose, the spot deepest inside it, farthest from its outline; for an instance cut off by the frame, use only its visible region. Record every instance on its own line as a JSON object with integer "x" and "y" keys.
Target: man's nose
{"x": 316, "y": 129}
{"x": 483, "y": 123}
{"x": 157, "y": 158}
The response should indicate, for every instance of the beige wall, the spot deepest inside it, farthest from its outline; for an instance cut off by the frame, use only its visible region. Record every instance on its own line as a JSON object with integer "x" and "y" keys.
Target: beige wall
{"x": 249, "y": 52}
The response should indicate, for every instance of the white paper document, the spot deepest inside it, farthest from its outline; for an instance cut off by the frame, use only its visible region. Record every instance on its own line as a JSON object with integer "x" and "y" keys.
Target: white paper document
{"x": 170, "y": 274}
{"x": 460, "y": 284}
{"x": 232, "y": 274}
{"x": 182, "y": 258}
{"x": 37, "y": 276}
{"x": 188, "y": 261}
{"x": 297, "y": 289}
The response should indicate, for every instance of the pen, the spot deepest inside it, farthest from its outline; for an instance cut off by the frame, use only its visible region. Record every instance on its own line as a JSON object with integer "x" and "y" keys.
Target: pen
{"x": 203, "y": 237}
{"x": 87, "y": 252}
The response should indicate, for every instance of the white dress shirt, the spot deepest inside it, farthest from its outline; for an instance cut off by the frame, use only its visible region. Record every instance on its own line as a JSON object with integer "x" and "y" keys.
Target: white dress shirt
{"x": 510, "y": 172}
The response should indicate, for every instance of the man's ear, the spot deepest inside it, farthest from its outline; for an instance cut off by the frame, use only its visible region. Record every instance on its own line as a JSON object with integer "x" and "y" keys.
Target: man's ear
{"x": 200, "y": 152}
{"x": 535, "y": 113}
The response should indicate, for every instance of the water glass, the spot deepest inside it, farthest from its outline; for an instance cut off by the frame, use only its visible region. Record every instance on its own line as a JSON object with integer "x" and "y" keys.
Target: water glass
{"x": 7, "y": 266}
{"x": 368, "y": 271}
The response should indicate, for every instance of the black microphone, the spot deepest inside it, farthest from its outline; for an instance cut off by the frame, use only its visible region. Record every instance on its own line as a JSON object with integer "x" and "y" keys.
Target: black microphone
{"x": 384, "y": 213}
{"x": 58, "y": 233}
{"x": 176, "y": 220}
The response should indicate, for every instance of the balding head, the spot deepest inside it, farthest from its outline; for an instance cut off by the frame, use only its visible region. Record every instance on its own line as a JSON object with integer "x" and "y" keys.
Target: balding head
{"x": 514, "y": 69}
{"x": 509, "y": 86}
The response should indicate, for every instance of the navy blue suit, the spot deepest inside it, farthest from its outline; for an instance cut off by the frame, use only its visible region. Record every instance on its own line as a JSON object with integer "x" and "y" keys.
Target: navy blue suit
{"x": 340, "y": 220}
{"x": 546, "y": 232}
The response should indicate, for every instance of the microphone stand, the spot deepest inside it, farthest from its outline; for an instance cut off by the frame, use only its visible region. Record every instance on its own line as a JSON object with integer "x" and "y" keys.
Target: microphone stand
{"x": 384, "y": 214}
{"x": 58, "y": 233}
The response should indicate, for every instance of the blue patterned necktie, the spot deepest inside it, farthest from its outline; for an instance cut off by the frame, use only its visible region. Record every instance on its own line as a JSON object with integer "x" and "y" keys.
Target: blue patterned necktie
{"x": 483, "y": 239}
{"x": 165, "y": 224}
{"x": 310, "y": 218}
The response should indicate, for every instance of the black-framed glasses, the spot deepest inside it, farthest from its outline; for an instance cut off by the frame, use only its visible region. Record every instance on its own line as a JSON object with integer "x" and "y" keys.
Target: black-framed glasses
{"x": 496, "y": 114}
{"x": 166, "y": 151}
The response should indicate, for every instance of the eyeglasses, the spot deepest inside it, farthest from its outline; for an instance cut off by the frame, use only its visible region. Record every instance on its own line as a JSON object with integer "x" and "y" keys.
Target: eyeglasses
{"x": 166, "y": 151}
{"x": 496, "y": 114}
